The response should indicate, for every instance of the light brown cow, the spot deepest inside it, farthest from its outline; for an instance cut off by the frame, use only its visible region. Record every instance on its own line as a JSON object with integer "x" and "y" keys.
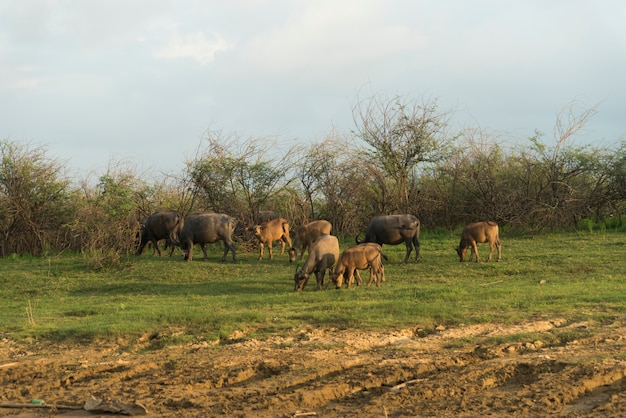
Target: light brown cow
{"x": 323, "y": 255}
{"x": 479, "y": 232}
{"x": 359, "y": 257}
{"x": 270, "y": 231}
{"x": 306, "y": 234}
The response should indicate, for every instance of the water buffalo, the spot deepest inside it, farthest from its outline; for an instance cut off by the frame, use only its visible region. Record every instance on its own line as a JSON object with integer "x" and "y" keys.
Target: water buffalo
{"x": 270, "y": 231}
{"x": 265, "y": 215}
{"x": 160, "y": 225}
{"x": 206, "y": 228}
{"x": 359, "y": 257}
{"x": 306, "y": 234}
{"x": 479, "y": 232}
{"x": 394, "y": 230}
{"x": 323, "y": 255}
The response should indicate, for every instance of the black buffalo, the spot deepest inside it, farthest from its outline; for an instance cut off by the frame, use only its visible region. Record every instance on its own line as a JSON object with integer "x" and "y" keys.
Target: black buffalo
{"x": 394, "y": 230}
{"x": 158, "y": 226}
{"x": 206, "y": 228}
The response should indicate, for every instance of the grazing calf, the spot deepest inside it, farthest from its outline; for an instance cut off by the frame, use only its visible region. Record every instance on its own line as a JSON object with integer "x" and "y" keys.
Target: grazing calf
{"x": 270, "y": 231}
{"x": 479, "y": 232}
{"x": 305, "y": 236}
{"x": 359, "y": 257}
{"x": 323, "y": 254}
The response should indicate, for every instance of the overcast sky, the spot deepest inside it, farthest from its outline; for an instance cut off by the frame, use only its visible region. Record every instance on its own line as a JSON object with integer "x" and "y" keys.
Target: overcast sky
{"x": 95, "y": 81}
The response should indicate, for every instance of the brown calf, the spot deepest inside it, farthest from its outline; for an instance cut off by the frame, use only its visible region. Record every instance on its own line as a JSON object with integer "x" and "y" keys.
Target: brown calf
{"x": 270, "y": 231}
{"x": 359, "y": 257}
{"x": 306, "y": 234}
{"x": 479, "y": 232}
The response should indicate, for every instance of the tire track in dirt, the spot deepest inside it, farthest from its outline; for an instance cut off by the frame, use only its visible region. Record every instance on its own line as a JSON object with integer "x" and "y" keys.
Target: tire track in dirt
{"x": 460, "y": 372}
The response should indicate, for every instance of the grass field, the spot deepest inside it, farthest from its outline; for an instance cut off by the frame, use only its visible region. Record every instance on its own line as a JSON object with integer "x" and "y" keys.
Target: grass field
{"x": 573, "y": 275}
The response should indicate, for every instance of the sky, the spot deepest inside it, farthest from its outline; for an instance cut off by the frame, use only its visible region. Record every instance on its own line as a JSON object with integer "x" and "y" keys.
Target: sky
{"x": 144, "y": 81}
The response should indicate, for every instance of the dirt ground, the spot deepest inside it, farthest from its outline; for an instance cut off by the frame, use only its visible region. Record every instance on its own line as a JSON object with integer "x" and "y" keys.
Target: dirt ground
{"x": 458, "y": 372}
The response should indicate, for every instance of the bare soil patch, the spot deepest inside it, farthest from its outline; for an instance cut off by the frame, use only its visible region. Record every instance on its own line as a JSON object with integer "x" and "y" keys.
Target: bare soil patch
{"x": 457, "y": 372}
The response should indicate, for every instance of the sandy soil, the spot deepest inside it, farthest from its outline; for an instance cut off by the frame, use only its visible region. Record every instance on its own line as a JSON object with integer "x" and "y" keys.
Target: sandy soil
{"x": 459, "y": 372}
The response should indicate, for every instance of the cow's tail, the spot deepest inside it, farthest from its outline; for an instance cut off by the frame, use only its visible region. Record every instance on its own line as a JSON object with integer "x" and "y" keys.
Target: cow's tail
{"x": 174, "y": 233}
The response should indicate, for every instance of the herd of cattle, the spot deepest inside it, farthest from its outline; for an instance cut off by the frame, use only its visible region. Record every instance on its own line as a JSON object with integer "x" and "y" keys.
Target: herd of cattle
{"x": 314, "y": 237}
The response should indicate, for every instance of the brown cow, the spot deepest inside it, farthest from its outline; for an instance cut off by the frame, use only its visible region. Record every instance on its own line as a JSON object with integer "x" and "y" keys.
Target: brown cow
{"x": 359, "y": 257}
{"x": 479, "y": 232}
{"x": 323, "y": 255}
{"x": 306, "y": 234}
{"x": 270, "y": 231}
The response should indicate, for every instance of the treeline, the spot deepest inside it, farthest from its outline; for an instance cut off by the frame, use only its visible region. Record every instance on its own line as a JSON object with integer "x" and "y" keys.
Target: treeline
{"x": 402, "y": 157}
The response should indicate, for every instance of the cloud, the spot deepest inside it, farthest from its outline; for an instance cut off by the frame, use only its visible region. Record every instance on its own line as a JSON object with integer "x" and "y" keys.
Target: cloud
{"x": 331, "y": 35}
{"x": 195, "y": 46}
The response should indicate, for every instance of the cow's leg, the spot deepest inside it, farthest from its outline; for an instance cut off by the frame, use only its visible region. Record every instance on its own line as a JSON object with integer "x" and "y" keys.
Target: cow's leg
{"x": 282, "y": 246}
{"x": 409, "y": 248}
{"x": 155, "y": 243}
{"x": 319, "y": 276}
{"x": 499, "y": 247}
{"x": 190, "y": 251}
{"x": 261, "y": 247}
{"x": 372, "y": 276}
{"x": 228, "y": 245}
{"x": 288, "y": 241}
{"x": 204, "y": 250}
{"x": 416, "y": 244}
{"x": 357, "y": 276}
{"x": 304, "y": 247}
{"x": 492, "y": 246}
{"x": 475, "y": 251}
{"x": 350, "y": 278}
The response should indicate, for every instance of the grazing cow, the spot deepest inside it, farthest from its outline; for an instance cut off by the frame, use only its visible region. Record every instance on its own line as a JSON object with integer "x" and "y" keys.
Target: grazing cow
{"x": 323, "y": 254}
{"x": 359, "y": 257}
{"x": 306, "y": 234}
{"x": 206, "y": 228}
{"x": 479, "y": 232}
{"x": 394, "y": 230}
{"x": 265, "y": 215}
{"x": 268, "y": 232}
{"x": 160, "y": 225}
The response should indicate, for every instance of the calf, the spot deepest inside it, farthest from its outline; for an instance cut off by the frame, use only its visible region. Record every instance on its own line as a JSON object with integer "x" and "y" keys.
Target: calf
{"x": 305, "y": 236}
{"x": 323, "y": 255}
{"x": 270, "y": 231}
{"x": 479, "y": 232}
{"x": 359, "y": 257}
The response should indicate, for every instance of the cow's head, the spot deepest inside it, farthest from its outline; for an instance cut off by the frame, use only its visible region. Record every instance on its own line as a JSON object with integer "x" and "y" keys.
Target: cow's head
{"x": 300, "y": 278}
{"x": 293, "y": 252}
{"x": 461, "y": 251}
{"x": 336, "y": 278}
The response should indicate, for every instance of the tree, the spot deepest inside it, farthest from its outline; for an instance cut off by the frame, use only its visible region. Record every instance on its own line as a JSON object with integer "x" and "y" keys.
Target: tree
{"x": 239, "y": 177}
{"x": 401, "y": 134}
{"x": 107, "y": 221}
{"x": 35, "y": 200}
{"x": 556, "y": 171}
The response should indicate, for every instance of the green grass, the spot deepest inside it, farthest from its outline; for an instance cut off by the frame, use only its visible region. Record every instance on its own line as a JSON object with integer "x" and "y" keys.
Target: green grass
{"x": 62, "y": 299}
